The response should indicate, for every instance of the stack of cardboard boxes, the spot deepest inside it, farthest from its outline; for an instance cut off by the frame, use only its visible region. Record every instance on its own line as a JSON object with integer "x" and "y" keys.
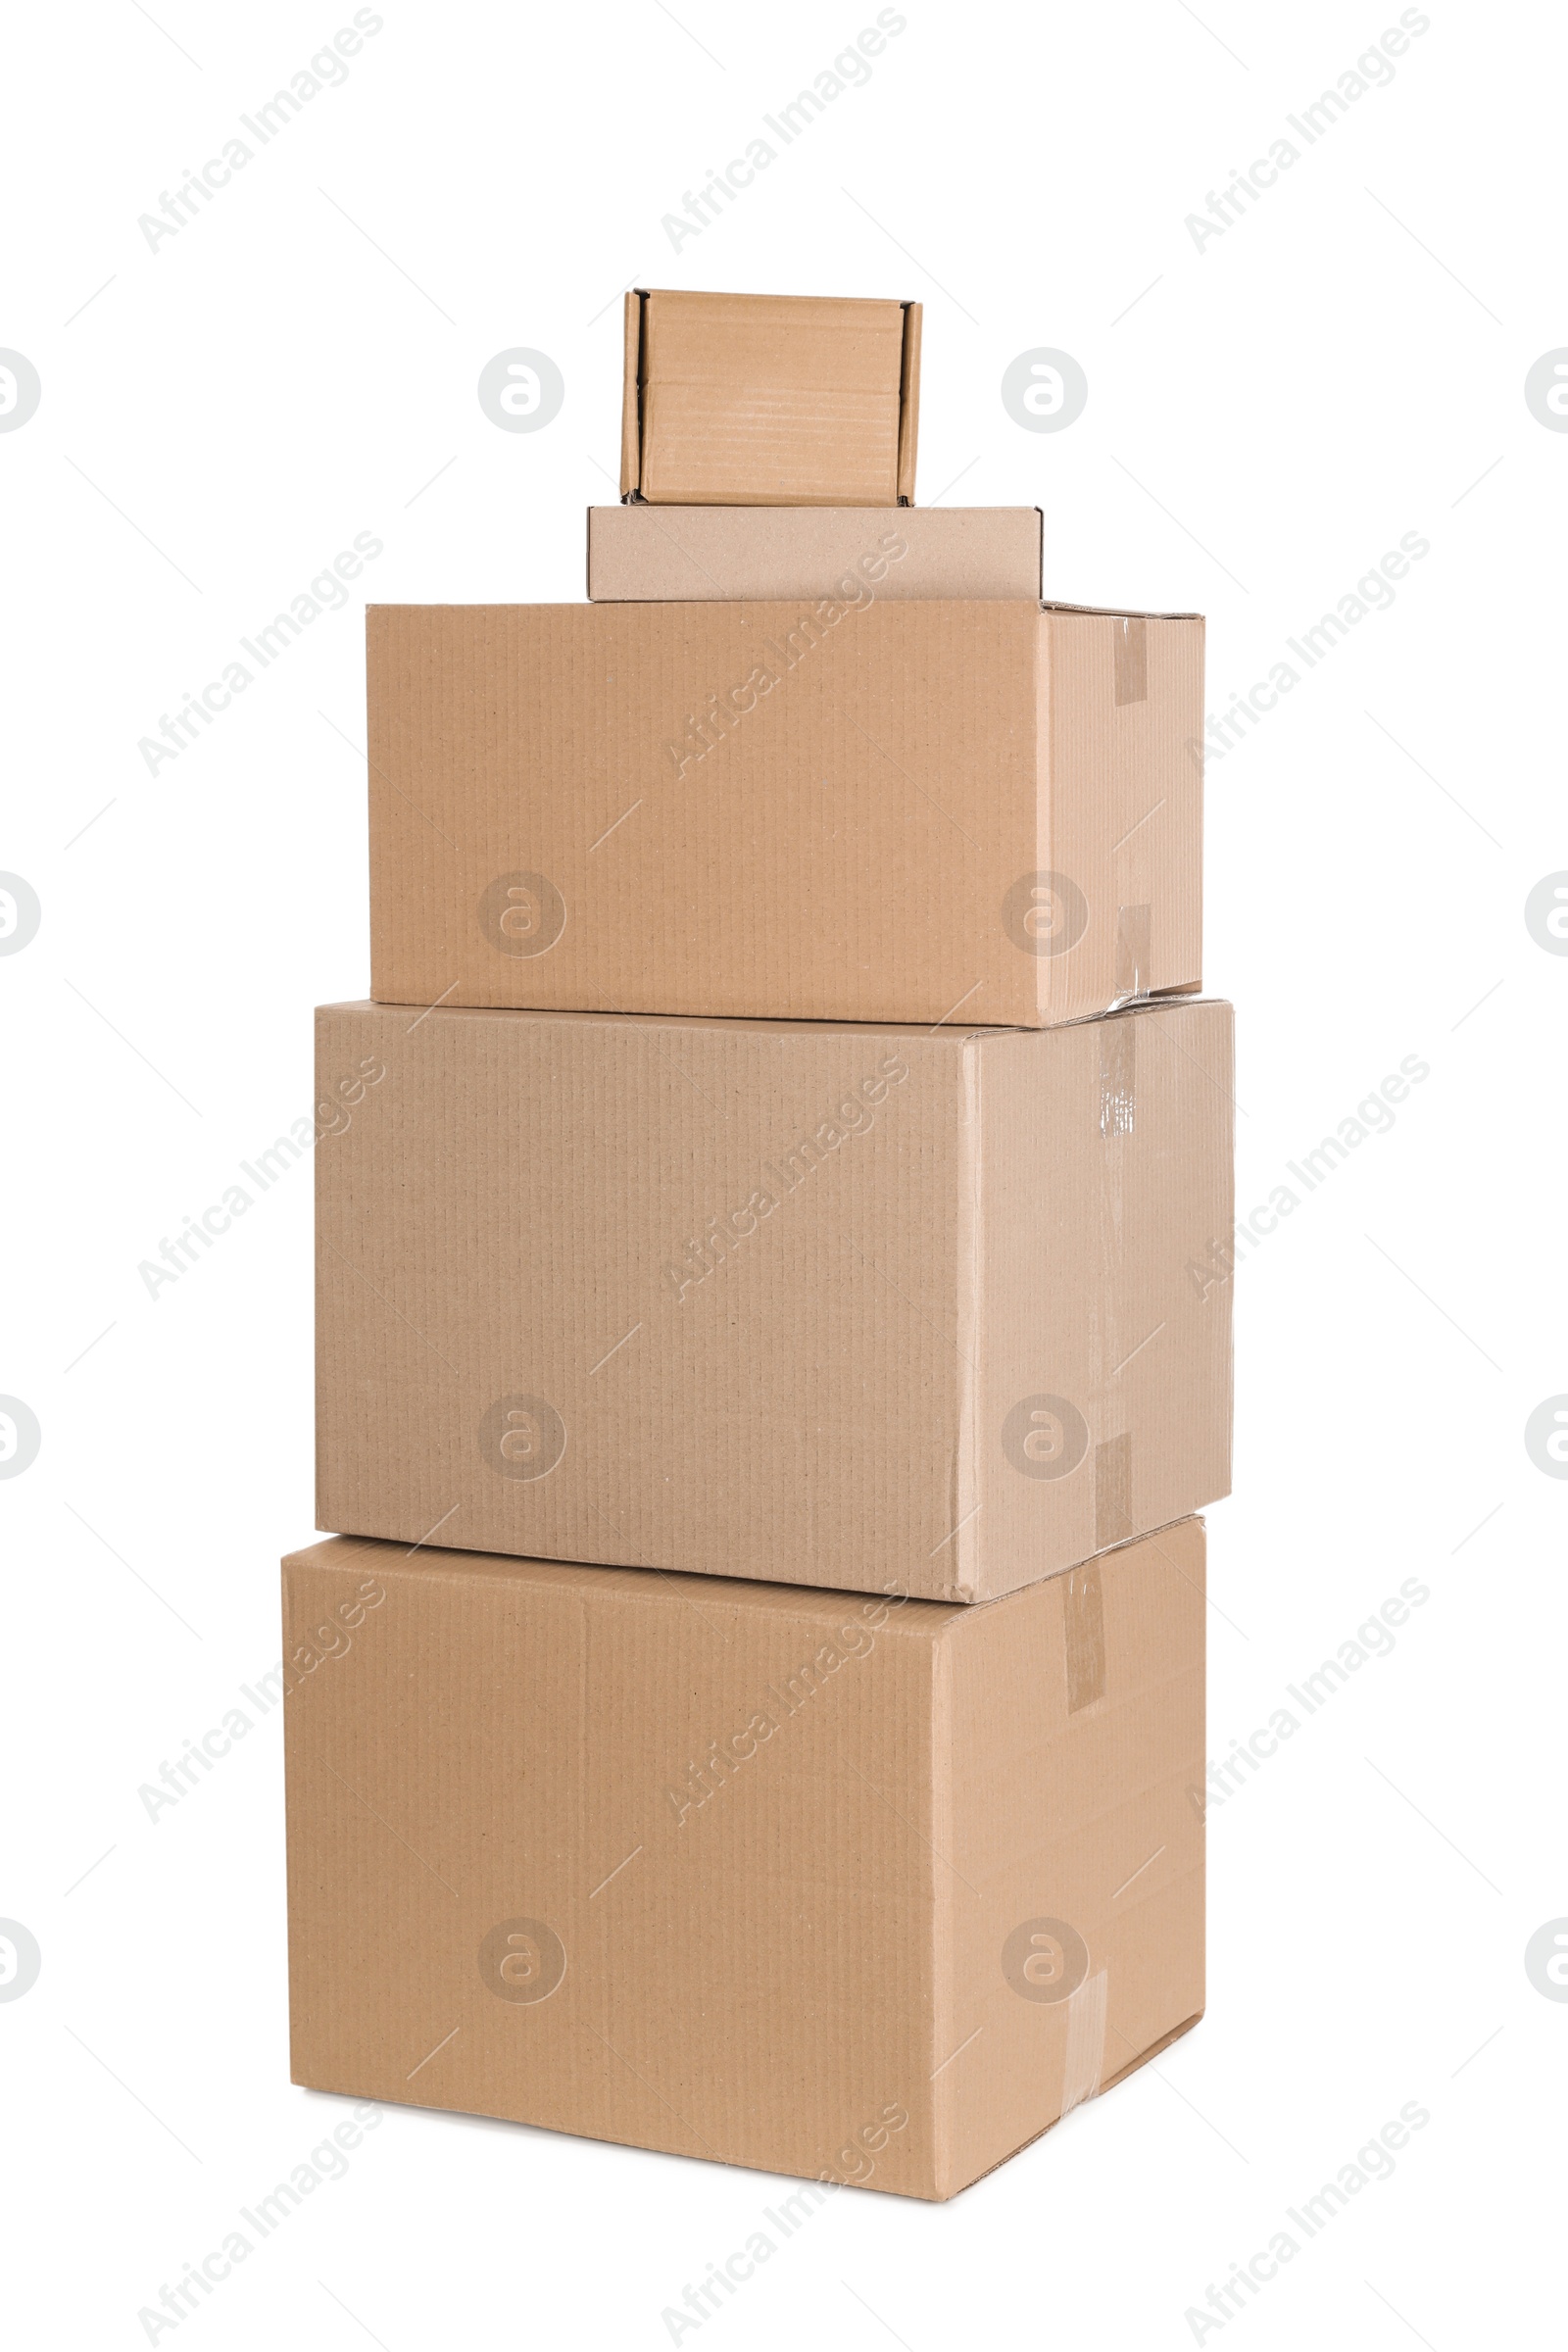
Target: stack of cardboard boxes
{"x": 751, "y": 1706}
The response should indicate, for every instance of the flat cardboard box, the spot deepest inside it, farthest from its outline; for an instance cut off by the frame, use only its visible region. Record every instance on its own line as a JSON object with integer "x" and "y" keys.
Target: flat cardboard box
{"x": 770, "y": 400}
{"x": 695, "y": 555}
{"x": 879, "y": 1310}
{"x": 857, "y": 808}
{"x": 860, "y": 1892}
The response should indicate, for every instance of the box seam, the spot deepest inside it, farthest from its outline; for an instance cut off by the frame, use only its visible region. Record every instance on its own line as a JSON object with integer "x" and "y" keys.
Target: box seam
{"x": 966, "y": 1497}
{"x": 943, "y": 1942}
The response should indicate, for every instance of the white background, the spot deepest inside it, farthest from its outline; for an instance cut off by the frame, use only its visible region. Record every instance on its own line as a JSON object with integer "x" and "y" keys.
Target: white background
{"x": 1267, "y": 415}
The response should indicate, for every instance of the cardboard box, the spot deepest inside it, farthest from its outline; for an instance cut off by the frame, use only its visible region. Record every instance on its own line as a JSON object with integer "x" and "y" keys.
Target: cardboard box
{"x": 836, "y": 1887}
{"x": 770, "y": 400}
{"x": 855, "y": 810}
{"x": 879, "y": 1309}
{"x": 695, "y": 555}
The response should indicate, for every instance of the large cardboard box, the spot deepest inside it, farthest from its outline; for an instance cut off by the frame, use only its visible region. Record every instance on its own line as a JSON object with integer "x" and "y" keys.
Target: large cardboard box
{"x": 696, "y": 554}
{"x": 770, "y": 400}
{"x": 881, "y": 1309}
{"x": 849, "y": 1888}
{"x": 854, "y": 808}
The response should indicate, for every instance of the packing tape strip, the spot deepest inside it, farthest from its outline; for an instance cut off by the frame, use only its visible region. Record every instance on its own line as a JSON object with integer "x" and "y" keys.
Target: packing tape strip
{"x": 1113, "y": 1491}
{"x": 1133, "y": 963}
{"x": 1131, "y": 643}
{"x": 1085, "y": 2060}
{"x": 1085, "y": 1607}
{"x": 1119, "y": 1076}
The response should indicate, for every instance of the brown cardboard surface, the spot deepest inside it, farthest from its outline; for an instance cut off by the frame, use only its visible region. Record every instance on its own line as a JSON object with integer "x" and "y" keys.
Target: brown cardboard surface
{"x": 830, "y": 1887}
{"x": 852, "y": 809}
{"x": 694, "y": 555}
{"x": 879, "y": 1309}
{"x": 770, "y": 400}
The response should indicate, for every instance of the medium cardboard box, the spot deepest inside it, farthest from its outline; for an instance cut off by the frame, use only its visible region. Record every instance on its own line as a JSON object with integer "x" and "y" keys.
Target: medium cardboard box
{"x": 881, "y": 1309}
{"x": 856, "y": 809}
{"x": 854, "y": 1889}
{"x": 694, "y": 555}
{"x": 770, "y": 400}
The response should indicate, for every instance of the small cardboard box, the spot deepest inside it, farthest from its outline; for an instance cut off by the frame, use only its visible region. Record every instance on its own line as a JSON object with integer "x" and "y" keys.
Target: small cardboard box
{"x": 770, "y": 400}
{"x": 818, "y": 1304}
{"x": 852, "y": 808}
{"x": 864, "y": 1891}
{"x": 696, "y": 554}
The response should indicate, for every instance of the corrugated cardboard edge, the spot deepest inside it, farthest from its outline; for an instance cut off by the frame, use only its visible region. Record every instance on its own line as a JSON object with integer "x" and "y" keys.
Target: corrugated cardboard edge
{"x": 1043, "y": 976}
{"x": 1057, "y": 603}
{"x": 963, "y": 1567}
{"x": 631, "y": 404}
{"x": 943, "y": 2027}
{"x": 1202, "y": 791}
{"x": 909, "y": 403}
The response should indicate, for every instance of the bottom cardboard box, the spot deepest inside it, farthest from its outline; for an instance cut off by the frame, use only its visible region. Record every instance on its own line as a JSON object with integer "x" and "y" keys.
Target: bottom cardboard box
{"x": 864, "y": 1889}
